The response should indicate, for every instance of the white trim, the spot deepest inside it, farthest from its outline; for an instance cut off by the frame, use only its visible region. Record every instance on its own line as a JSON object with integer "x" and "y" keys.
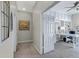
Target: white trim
{"x": 37, "y": 49}
{"x": 25, "y": 41}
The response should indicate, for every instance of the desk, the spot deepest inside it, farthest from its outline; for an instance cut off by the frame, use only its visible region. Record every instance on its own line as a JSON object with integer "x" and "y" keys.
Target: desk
{"x": 75, "y": 38}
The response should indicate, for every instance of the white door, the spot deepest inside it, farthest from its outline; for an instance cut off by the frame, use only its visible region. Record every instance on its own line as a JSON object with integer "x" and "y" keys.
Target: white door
{"x": 49, "y": 33}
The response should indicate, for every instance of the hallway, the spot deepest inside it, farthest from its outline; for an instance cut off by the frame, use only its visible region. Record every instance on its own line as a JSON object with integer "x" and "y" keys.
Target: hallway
{"x": 25, "y": 50}
{"x": 62, "y": 50}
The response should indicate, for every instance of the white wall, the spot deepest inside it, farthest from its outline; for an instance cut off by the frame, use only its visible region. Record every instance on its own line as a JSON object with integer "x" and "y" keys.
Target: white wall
{"x": 8, "y": 47}
{"x": 75, "y": 20}
{"x": 37, "y": 31}
{"x": 14, "y": 31}
{"x": 24, "y": 35}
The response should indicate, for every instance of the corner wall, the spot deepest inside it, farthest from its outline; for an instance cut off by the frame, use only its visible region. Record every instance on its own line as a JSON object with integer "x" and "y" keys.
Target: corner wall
{"x": 37, "y": 31}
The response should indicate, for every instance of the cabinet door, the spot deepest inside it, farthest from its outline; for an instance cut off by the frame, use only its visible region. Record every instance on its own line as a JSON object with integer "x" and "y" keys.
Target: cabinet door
{"x": 62, "y": 23}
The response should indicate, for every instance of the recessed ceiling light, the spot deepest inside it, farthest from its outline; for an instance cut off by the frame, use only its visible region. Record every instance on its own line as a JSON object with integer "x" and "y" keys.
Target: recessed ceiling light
{"x": 24, "y": 9}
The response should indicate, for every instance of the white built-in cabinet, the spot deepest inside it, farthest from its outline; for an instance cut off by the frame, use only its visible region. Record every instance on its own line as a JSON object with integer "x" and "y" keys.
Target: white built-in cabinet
{"x": 62, "y": 22}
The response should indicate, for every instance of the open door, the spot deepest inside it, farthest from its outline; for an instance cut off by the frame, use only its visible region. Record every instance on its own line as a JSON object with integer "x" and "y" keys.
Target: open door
{"x": 49, "y": 33}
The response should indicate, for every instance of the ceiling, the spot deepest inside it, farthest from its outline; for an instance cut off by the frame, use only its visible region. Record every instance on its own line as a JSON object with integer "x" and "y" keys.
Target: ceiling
{"x": 43, "y": 5}
{"x": 29, "y": 6}
{"x": 61, "y": 7}
{"x": 25, "y": 5}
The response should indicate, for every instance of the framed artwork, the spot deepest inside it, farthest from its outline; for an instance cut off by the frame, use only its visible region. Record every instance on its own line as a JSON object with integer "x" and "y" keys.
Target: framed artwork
{"x": 24, "y": 25}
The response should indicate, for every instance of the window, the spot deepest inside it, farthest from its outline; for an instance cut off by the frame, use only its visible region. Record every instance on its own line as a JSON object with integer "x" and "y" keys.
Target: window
{"x": 5, "y": 17}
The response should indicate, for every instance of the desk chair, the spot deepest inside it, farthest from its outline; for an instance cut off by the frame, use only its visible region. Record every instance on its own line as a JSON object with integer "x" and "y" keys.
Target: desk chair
{"x": 70, "y": 38}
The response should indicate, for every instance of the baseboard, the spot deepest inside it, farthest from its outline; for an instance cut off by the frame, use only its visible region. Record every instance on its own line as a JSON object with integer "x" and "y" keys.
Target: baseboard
{"x": 36, "y": 49}
{"x": 25, "y": 41}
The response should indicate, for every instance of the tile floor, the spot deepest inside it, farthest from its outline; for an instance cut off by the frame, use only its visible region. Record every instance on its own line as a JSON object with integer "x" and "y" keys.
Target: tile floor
{"x": 62, "y": 50}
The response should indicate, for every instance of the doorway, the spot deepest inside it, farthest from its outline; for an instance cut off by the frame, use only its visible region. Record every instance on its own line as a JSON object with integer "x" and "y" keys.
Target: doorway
{"x": 64, "y": 20}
